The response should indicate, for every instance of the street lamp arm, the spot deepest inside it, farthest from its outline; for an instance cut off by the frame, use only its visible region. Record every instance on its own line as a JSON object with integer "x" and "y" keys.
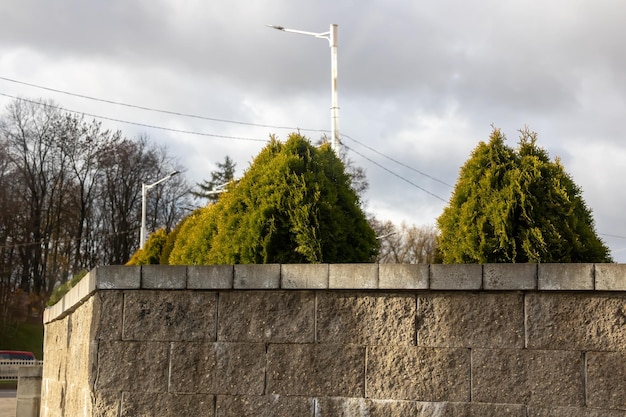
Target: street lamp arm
{"x": 323, "y": 35}
{"x": 144, "y": 194}
{"x": 331, "y": 37}
{"x": 154, "y": 184}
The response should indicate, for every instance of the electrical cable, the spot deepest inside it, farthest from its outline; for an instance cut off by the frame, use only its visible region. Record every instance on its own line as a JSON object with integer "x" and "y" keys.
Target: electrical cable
{"x": 396, "y": 161}
{"x": 176, "y": 113}
{"x": 395, "y": 174}
{"x": 189, "y": 132}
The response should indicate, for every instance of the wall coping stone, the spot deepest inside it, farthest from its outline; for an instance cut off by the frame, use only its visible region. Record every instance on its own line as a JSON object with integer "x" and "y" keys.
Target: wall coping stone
{"x": 457, "y": 277}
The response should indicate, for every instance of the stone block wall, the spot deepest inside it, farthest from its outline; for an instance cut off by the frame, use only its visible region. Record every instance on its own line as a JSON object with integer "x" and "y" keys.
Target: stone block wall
{"x": 340, "y": 340}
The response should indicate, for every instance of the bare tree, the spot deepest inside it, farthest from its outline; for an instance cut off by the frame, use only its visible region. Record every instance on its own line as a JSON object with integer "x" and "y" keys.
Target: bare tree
{"x": 405, "y": 244}
{"x": 70, "y": 197}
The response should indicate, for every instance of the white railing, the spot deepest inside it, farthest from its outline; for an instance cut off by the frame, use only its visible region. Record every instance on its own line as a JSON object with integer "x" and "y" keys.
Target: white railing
{"x": 9, "y": 368}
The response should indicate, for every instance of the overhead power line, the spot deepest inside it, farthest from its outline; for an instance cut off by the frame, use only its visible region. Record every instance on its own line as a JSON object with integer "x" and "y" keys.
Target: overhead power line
{"x": 189, "y": 132}
{"x": 396, "y": 161}
{"x": 176, "y": 113}
{"x": 615, "y": 236}
{"x": 213, "y": 119}
{"x": 395, "y": 174}
{"x": 151, "y": 109}
{"x": 209, "y": 134}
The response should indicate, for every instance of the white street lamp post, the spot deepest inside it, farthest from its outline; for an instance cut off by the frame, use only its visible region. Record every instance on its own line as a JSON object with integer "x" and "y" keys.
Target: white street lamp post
{"x": 331, "y": 36}
{"x": 144, "y": 193}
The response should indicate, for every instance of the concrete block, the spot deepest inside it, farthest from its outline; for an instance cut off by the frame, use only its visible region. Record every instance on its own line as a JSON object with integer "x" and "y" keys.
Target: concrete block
{"x": 403, "y": 276}
{"x": 117, "y": 277}
{"x": 80, "y": 292}
{"x": 133, "y": 366}
{"x": 169, "y": 277}
{"x": 523, "y": 376}
{"x": 610, "y": 277}
{"x": 254, "y": 276}
{"x": 166, "y": 405}
{"x": 470, "y": 320}
{"x": 510, "y": 277}
{"x": 391, "y": 408}
{"x": 304, "y": 276}
{"x": 416, "y": 373}
{"x": 109, "y": 312}
{"x": 264, "y": 406}
{"x": 456, "y": 277}
{"x": 316, "y": 370}
{"x": 170, "y": 316}
{"x": 29, "y": 382}
{"x": 107, "y": 403}
{"x": 210, "y": 276}
{"x": 353, "y": 276}
{"x": 52, "y": 312}
{"x": 563, "y": 277}
{"x": 267, "y": 316}
{"x": 575, "y": 321}
{"x": 217, "y": 368}
{"x": 366, "y": 318}
{"x": 27, "y": 407}
{"x": 606, "y": 373}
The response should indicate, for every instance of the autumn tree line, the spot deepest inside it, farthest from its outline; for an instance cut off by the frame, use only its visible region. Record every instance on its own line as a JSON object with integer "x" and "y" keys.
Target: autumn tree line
{"x": 70, "y": 198}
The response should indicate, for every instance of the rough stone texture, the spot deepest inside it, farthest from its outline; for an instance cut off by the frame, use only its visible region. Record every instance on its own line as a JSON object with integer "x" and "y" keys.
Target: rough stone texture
{"x": 576, "y": 321}
{"x": 121, "y": 362}
{"x": 510, "y": 276}
{"x": 316, "y": 370}
{"x": 322, "y": 352}
{"x": 261, "y": 316}
{"x": 210, "y": 276}
{"x": 350, "y": 276}
{"x": 384, "y": 408}
{"x": 456, "y": 277}
{"x": 55, "y": 342}
{"x": 265, "y": 406}
{"x": 366, "y": 319}
{"x": 107, "y": 403}
{"x": 304, "y": 276}
{"x": 217, "y": 368}
{"x": 565, "y": 276}
{"x": 403, "y": 276}
{"x": 522, "y": 376}
{"x": 67, "y": 380}
{"x": 606, "y": 376}
{"x": 574, "y": 412}
{"x": 175, "y": 315}
{"x": 416, "y": 373}
{"x": 480, "y": 320}
{"x": 610, "y": 277}
{"x": 135, "y": 404}
{"x": 109, "y": 315}
{"x": 163, "y": 277}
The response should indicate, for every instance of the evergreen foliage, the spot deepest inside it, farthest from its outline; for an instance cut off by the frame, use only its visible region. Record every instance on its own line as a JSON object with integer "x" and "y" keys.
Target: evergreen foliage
{"x": 151, "y": 253}
{"x": 224, "y": 174}
{"x": 516, "y": 205}
{"x": 293, "y": 205}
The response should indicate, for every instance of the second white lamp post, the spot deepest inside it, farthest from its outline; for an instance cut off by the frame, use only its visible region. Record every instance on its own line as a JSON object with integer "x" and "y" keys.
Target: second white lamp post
{"x": 331, "y": 36}
{"x": 144, "y": 193}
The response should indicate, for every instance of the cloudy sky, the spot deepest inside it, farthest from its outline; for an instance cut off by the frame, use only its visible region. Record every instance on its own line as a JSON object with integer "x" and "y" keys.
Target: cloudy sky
{"x": 420, "y": 83}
